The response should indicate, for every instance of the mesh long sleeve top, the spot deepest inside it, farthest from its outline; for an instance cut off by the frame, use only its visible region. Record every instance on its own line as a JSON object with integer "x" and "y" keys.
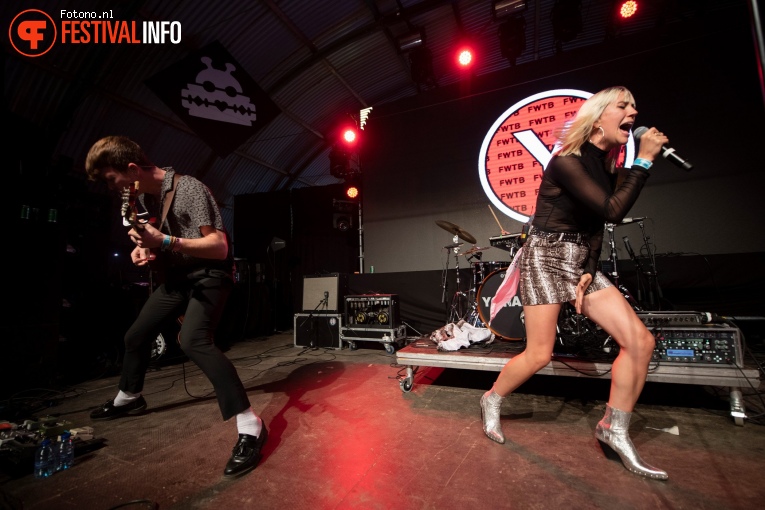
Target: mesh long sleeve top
{"x": 579, "y": 194}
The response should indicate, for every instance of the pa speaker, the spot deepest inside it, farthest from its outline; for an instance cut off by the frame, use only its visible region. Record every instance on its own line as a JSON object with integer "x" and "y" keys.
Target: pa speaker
{"x": 318, "y": 330}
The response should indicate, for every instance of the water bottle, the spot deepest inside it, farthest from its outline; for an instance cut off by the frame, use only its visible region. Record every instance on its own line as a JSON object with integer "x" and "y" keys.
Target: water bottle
{"x": 44, "y": 460}
{"x": 65, "y": 457}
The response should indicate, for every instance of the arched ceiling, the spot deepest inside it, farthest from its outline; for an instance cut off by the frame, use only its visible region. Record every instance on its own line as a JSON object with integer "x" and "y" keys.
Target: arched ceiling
{"x": 319, "y": 61}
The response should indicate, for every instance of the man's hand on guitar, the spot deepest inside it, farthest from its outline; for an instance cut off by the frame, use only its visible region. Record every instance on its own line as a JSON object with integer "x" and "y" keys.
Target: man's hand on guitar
{"x": 147, "y": 237}
{"x": 141, "y": 256}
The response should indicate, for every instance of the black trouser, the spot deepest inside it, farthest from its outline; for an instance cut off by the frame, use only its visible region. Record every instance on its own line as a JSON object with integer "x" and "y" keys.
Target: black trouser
{"x": 204, "y": 300}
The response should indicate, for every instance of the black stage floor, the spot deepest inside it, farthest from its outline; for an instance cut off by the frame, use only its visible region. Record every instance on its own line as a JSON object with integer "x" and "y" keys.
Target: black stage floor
{"x": 343, "y": 434}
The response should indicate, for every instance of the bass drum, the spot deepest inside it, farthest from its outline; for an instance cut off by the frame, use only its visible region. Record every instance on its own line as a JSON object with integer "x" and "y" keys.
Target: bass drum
{"x": 508, "y": 323}
{"x": 483, "y": 269}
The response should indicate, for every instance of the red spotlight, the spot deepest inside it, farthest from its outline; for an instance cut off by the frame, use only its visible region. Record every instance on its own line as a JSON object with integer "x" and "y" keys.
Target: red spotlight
{"x": 349, "y": 135}
{"x": 465, "y": 57}
{"x": 628, "y": 9}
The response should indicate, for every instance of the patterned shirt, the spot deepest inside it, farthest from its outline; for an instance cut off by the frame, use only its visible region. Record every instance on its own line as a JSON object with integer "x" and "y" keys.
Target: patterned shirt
{"x": 193, "y": 207}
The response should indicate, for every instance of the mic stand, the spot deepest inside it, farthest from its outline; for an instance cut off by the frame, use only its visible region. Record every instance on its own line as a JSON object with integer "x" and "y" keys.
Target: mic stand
{"x": 652, "y": 275}
{"x": 614, "y": 272}
{"x": 614, "y": 259}
{"x": 639, "y": 273}
{"x": 314, "y": 325}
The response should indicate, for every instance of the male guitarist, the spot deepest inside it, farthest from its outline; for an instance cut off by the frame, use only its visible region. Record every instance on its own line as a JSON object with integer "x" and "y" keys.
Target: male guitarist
{"x": 191, "y": 245}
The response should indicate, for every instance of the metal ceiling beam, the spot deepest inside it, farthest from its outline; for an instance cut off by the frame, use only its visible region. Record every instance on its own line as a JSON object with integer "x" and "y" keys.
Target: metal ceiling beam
{"x": 312, "y": 47}
{"x": 360, "y": 33}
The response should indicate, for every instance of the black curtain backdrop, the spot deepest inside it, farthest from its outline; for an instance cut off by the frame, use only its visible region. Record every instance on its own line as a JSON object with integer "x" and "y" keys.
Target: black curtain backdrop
{"x": 303, "y": 219}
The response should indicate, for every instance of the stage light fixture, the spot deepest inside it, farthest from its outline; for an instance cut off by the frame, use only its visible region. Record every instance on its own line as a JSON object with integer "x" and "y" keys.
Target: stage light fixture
{"x": 421, "y": 66}
{"x": 512, "y": 38}
{"x": 465, "y": 57}
{"x": 410, "y": 41}
{"x": 349, "y": 135}
{"x": 351, "y": 191}
{"x": 503, "y": 8}
{"x": 339, "y": 163}
{"x": 566, "y": 16}
{"x": 343, "y": 213}
{"x": 465, "y": 54}
{"x": 277, "y": 244}
{"x": 628, "y": 9}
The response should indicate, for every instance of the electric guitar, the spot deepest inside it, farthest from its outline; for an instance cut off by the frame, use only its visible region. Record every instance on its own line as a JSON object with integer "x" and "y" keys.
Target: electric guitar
{"x": 131, "y": 218}
{"x": 130, "y": 215}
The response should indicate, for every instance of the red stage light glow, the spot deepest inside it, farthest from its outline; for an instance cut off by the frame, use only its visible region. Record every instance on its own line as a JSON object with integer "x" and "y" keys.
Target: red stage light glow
{"x": 349, "y": 135}
{"x": 465, "y": 57}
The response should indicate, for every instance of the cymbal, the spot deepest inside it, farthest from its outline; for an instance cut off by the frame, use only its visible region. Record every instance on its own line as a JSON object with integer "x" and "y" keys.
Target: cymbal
{"x": 456, "y": 230}
{"x": 475, "y": 249}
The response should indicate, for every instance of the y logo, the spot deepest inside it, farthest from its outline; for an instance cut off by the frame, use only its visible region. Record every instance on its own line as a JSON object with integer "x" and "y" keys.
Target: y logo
{"x": 519, "y": 145}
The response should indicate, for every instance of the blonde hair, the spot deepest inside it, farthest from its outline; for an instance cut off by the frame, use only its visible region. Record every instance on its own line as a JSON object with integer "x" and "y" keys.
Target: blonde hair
{"x": 580, "y": 130}
{"x": 115, "y": 152}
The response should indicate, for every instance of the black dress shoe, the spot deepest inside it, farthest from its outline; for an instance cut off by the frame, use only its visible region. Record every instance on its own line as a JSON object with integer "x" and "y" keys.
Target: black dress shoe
{"x": 109, "y": 411}
{"x": 246, "y": 454}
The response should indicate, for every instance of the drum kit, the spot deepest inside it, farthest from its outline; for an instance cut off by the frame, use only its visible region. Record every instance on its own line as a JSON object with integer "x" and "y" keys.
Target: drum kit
{"x": 473, "y": 305}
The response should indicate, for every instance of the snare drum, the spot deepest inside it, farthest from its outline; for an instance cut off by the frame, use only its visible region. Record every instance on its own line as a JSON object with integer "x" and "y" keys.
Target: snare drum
{"x": 483, "y": 269}
{"x": 508, "y": 323}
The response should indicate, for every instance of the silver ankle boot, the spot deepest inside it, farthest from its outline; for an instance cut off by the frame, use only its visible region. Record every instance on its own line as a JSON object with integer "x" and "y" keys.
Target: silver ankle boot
{"x": 490, "y": 404}
{"x": 613, "y": 431}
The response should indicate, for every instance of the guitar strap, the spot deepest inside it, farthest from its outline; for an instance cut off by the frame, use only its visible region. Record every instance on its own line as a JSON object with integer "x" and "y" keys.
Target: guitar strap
{"x": 168, "y": 200}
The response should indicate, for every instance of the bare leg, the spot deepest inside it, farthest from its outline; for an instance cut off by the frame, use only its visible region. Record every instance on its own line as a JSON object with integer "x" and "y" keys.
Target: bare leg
{"x": 541, "y": 323}
{"x": 612, "y": 312}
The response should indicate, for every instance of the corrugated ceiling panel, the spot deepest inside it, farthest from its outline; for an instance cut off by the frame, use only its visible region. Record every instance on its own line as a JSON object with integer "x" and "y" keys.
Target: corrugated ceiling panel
{"x": 380, "y": 69}
{"x": 324, "y": 22}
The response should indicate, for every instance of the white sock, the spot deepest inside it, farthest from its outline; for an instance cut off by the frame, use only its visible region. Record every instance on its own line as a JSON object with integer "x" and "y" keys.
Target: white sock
{"x": 124, "y": 397}
{"x": 247, "y": 422}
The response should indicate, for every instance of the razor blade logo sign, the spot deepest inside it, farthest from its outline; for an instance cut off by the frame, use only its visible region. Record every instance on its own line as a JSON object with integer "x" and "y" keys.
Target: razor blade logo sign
{"x": 520, "y": 144}
{"x": 217, "y": 95}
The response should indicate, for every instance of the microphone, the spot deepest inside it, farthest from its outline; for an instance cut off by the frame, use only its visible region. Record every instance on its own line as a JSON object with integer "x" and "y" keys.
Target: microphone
{"x": 629, "y": 247}
{"x": 455, "y": 245}
{"x": 627, "y": 221}
{"x": 668, "y": 152}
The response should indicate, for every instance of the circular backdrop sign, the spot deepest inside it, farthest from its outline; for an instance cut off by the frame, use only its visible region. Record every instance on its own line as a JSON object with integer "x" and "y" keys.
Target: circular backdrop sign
{"x": 519, "y": 145}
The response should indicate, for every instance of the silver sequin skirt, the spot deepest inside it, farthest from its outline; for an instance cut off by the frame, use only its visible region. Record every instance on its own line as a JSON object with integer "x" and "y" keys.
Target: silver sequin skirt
{"x": 550, "y": 271}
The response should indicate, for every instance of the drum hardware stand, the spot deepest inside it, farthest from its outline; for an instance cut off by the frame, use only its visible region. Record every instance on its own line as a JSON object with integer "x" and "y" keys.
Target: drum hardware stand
{"x": 639, "y": 271}
{"x": 445, "y": 280}
{"x": 573, "y": 327}
{"x": 456, "y": 312}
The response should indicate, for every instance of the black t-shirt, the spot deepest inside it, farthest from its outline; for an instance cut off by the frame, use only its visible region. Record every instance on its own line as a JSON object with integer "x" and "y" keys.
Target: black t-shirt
{"x": 578, "y": 194}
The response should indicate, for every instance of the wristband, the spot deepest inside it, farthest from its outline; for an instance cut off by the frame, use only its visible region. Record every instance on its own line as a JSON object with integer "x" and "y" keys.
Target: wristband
{"x": 643, "y": 163}
{"x": 165, "y": 242}
{"x": 177, "y": 244}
